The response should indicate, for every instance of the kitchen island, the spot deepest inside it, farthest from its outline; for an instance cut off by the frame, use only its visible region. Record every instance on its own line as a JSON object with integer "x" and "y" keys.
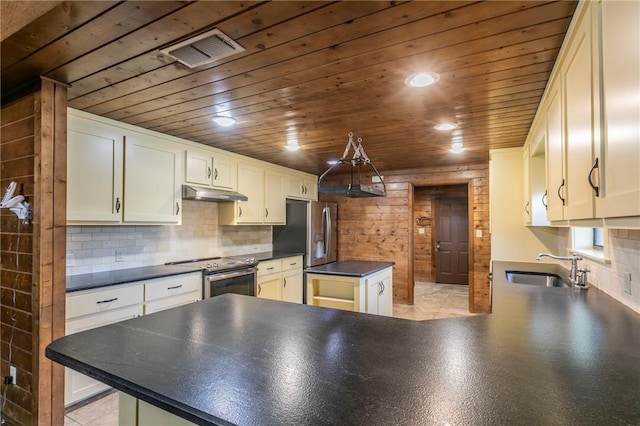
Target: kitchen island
{"x": 353, "y": 285}
{"x": 544, "y": 356}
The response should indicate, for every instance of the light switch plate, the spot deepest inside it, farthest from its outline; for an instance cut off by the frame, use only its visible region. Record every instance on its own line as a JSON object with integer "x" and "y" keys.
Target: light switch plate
{"x": 71, "y": 259}
{"x": 626, "y": 283}
{"x": 420, "y": 230}
{"x": 119, "y": 255}
{"x": 478, "y": 233}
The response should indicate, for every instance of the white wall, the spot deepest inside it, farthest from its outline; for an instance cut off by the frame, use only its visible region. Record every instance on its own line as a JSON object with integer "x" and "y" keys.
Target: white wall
{"x": 511, "y": 240}
{"x": 93, "y": 247}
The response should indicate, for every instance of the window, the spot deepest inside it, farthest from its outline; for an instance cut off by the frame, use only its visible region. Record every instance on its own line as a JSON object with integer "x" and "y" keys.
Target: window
{"x": 590, "y": 243}
{"x": 598, "y": 238}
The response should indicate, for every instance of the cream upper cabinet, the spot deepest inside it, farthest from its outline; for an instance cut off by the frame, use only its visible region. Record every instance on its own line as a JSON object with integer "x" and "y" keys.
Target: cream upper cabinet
{"x": 274, "y": 198}
{"x": 94, "y": 171}
{"x": 302, "y": 187}
{"x": 266, "y": 202}
{"x": 526, "y": 168}
{"x": 225, "y": 172}
{"x": 556, "y": 184}
{"x": 198, "y": 167}
{"x": 152, "y": 180}
{"x": 251, "y": 184}
{"x": 579, "y": 105}
{"x": 210, "y": 169}
{"x": 619, "y": 147}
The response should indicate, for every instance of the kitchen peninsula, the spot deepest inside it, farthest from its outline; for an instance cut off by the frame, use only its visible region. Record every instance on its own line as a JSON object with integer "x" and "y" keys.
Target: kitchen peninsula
{"x": 544, "y": 356}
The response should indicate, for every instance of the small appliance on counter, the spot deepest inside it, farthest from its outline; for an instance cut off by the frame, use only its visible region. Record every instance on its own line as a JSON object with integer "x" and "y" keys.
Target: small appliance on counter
{"x": 222, "y": 275}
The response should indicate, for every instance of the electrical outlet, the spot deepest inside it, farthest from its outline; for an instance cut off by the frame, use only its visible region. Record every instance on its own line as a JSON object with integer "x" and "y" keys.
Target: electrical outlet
{"x": 71, "y": 259}
{"x": 119, "y": 255}
{"x": 420, "y": 230}
{"x": 13, "y": 373}
{"x": 626, "y": 283}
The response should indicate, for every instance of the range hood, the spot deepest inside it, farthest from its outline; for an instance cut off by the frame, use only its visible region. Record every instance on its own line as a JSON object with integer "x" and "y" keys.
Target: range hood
{"x": 190, "y": 192}
{"x": 355, "y": 188}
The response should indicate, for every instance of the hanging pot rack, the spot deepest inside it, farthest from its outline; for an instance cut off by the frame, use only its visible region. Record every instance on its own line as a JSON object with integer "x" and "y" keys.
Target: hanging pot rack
{"x": 355, "y": 188}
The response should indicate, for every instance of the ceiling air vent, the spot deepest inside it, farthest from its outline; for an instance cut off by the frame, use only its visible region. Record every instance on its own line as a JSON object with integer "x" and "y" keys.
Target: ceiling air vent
{"x": 203, "y": 49}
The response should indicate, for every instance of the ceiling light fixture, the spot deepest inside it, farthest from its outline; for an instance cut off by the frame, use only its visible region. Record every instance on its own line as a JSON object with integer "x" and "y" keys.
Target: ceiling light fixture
{"x": 446, "y": 126}
{"x": 456, "y": 148}
{"x": 223, "y": 121}
{"x": 422, "y": 79}
{"x": 292, "y": 147}
{"x": 332, "y": 162}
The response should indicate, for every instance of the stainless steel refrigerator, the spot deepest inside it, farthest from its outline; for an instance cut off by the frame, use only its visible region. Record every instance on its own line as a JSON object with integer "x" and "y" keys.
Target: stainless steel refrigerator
{"x": 311, "y": 229}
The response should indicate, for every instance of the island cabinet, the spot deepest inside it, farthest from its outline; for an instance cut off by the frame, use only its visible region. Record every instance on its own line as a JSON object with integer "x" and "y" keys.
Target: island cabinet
{"x": 280, "y": 279}
{"x": 368, "y": 289}
{"x": 119, "y": 176}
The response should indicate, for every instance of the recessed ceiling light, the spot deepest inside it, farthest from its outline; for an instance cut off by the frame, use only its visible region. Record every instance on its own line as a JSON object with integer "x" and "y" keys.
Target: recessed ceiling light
{"x": 422, "y": 79}
{"x": 332, "y": 162}
{"x": 456, "y": 150}
{"x": 446, "y": 126}
{"x": 292, "y": 147}
{"x": 223, "y": 121}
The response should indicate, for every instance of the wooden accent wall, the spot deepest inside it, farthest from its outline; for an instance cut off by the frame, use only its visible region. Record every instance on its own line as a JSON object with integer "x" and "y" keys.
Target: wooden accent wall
{"x": 423, "y": 244}
{"x": 382, "y": 228}
{"x": 33, "y": 153}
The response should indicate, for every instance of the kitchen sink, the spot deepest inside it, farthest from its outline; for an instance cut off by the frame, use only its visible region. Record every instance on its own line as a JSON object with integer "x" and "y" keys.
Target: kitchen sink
{"x": 544, "y": 279}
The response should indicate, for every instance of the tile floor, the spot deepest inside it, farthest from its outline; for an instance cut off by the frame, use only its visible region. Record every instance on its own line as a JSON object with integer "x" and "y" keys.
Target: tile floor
{"x": 431, "y": 301}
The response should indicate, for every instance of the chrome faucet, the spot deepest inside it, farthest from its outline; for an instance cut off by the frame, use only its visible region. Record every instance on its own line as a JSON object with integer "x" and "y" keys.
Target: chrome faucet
{"x": 577, "y": 276}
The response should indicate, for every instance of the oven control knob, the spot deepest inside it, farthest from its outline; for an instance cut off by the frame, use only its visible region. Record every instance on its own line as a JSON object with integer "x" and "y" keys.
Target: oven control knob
{"x": 251, "y": 260}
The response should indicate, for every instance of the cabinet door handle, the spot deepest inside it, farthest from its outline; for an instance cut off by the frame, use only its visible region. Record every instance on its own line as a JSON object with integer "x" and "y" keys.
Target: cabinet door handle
{"x": 174, "y": 287}
{"x": 266, "y": 213}
{"x": 526, "y": 208}
{"x": 560, "y": 189}
{"x": 118, "y": 205}
{"x": 381, "y": 287}
{"x": 544, "y": 200}
{"x": 285, "y": 282}
{"x": 259, "y": 289}
{"x": 208, "y": 172}
{"x": 107, "y": 301}
{"x": 596, "y": 189}
{"x": 215, "y": 173}
{"x": 239, "y": 211}
{"x": 437, "y": 245}
{"x": 177, "y": 208}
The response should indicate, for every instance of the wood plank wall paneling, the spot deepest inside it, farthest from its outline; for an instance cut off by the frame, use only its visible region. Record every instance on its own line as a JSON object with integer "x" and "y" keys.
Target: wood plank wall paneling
{"x": 33, "y": 153}
{"x": 383, "y": 228}
{"x": 16, "y": 248}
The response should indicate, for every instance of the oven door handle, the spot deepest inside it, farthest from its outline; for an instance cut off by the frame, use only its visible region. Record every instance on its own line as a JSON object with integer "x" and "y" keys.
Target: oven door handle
{"x": 233, "y": 274}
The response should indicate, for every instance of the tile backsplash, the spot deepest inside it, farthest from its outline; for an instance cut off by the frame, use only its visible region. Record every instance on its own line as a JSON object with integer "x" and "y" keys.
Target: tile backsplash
{"x": 93, "y": 248}
{"x": 624, "y": 252}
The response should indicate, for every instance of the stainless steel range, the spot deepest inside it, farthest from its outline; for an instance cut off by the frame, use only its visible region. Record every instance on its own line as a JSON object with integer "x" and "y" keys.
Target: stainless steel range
{"x": 225, "y": 275}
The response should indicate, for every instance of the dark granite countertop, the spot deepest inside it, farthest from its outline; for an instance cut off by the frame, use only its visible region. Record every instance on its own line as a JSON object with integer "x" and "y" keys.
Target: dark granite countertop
{"x": 121, "y": 276}
{"x": 350, "y": 268}
{"x": 544, "y": 356}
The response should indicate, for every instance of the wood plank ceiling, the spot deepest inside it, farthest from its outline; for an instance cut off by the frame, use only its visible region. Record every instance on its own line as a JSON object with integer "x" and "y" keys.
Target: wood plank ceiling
{"x": 310, "y": 70}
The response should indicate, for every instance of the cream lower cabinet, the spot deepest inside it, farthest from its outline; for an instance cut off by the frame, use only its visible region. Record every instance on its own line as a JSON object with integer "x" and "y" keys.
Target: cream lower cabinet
{"x": 369, "y": 294}
{"x": 169, "y": 292}
{"x": 280, "y": 279}
{"x": 94, "y": 308}
{"x": 132, "y": 411}
{"x": 91, "y": 309}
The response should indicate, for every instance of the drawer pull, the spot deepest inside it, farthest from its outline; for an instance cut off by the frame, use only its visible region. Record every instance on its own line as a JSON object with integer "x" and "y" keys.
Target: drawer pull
{"x": 107, "y": 301}
{"x": 293, "y": 264}
{"x": 174, "y": 287}
{"x": 268, "y": 269}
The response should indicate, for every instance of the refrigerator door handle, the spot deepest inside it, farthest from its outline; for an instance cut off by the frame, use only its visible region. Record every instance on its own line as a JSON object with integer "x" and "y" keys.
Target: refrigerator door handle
{"x": 326, "y": 223}
{"x": 327, "y": 238}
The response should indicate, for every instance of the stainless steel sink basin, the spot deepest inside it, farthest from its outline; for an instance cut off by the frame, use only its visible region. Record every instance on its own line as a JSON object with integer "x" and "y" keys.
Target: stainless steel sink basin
{"x": 544, "y": 279}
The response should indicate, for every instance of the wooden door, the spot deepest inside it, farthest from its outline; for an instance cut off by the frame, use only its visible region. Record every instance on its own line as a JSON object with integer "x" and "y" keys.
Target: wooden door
{"x": 452, "y": 241}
